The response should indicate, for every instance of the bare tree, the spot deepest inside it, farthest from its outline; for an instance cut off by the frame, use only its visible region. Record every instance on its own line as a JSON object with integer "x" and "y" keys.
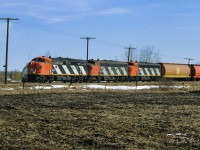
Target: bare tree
{"x": 145, "y": 54}
{"x": 148, "y": 54}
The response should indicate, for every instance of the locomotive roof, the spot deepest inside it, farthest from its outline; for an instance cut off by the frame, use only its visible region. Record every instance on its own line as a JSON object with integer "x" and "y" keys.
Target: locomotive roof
{"x": 148, "y": 64}
{"x": 61, "y": 59}
{"x": 108, "y": 61}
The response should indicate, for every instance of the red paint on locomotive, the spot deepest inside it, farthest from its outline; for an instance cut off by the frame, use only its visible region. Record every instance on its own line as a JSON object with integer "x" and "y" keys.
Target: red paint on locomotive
{"x": 93, "y": 68}
{"x": 40, "y": 66}
{"x": 133, "y": 68}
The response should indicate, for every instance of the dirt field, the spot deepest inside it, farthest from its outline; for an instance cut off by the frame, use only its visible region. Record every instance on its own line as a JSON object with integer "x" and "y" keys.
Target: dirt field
{"x": 99, "y": 119}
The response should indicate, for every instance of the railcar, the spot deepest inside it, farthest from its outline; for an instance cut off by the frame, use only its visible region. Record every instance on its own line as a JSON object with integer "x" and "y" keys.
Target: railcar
{"x": 195, "y": 72}
{"x": 107, "y": 70}
{"x": 175, "y": 71}
{"x": 140, "y": 71}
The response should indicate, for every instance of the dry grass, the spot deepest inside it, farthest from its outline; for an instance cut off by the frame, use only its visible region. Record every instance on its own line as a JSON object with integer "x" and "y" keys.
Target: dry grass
{"x": 99, "y": 119}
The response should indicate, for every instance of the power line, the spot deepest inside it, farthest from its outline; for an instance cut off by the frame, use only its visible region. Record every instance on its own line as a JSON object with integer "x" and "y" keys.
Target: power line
{"x": 64, "y": 33}
{"x": 172, "y": 56}
{"x": 189, "y": 59}
{"x": 110, "y": 44}
{"x": 55, "y": 31}
{"x": 6, "y": 59}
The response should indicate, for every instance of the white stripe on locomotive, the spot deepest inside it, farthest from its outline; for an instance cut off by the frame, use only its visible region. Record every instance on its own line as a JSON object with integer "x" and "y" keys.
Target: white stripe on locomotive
{"x": 117, "y": 70}
{"x": 111, "y": 71}
{"x": 147, "y": 71}
{"x": 152, "y": 71}
{"x": 104, "y": 71}
{"x": 141, "y": 72}
{"x": 75, "y": 70}
{"x": 158, "y": 71}
{"x": 82, "y": 70}
{"x": 66, "y": 69}
{"x": 124, "y": 70}
{"x": 57, "y": 70}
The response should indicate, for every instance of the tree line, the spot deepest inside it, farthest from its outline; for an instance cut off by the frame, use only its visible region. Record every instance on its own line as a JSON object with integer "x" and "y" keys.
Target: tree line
{"x": 12, "y": 76}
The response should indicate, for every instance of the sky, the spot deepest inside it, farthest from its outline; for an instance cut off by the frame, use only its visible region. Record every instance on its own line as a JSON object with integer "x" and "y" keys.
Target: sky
{"x": 54, "y": 27}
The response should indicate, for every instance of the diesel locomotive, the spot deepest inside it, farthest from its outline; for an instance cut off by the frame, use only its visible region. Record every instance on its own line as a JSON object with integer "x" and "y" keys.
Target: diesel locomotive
{"x": 47, "y": 69}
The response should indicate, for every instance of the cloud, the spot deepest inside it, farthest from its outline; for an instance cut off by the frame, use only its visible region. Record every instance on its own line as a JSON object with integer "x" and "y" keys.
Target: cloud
{"x": 58, "y": 11}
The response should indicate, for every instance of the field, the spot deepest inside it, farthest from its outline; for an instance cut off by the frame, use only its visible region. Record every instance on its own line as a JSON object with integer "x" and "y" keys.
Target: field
{"x": 100, "y": 119}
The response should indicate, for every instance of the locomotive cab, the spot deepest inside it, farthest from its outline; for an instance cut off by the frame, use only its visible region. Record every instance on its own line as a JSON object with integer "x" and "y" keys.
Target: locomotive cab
{"x": 132, "y": 68}
{"x": 40, "y": 68}
{"x": 93, "y": 68}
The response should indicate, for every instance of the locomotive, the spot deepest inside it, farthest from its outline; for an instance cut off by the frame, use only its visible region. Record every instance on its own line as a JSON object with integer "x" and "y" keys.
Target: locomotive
{"x": 43, "y": 69}
{"x": 47, "y": 69}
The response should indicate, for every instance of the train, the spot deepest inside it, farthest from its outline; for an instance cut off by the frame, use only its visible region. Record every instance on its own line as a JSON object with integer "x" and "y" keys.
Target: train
{"x": 47, "y": 69}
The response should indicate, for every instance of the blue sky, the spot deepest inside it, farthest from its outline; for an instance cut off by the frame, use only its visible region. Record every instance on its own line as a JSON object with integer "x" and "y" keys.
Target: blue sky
{"x": 55, "y": 27}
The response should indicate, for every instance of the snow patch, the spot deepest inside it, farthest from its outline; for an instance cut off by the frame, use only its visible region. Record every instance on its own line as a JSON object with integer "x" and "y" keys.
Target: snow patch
{"x": 93, "y": 86}
{"x": 50, "y": 87}
{"x": 6, "y": 89}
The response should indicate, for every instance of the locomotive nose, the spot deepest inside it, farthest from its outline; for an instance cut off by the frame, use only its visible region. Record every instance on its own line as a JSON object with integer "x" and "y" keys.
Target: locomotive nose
{"x": 38, "y": 66}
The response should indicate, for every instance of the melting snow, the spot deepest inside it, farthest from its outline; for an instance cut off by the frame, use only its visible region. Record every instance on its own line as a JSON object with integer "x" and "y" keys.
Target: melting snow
{"x": 49, "y": 87}
{"x": 6, "y": 89}
{"x": 92, "y": 86}
{"x": 95, "y": 86}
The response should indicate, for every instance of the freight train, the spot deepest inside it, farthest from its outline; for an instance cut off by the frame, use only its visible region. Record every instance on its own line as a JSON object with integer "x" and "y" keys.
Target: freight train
{"x": 47, "y": 69}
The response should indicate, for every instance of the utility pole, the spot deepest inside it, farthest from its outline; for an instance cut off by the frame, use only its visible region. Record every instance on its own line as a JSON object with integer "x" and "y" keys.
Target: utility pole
{"x": 129, "y": 52}
{"x": 190, "y": 66}
{"x": 6, "y": 59}
{"x": 87, "y": 38}
{"x": 189, "y": 60}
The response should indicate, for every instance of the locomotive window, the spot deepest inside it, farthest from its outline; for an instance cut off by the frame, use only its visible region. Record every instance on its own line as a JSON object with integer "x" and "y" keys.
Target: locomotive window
{"x": 130, "y": 64}
{"x": 91, "y": 62}
{"x": 35, "y": 59}
{"x": 40, "y": 60}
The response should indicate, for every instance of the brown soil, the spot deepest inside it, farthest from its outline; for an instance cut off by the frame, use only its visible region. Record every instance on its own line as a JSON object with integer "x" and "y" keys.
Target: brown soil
{"x": 94, "y": 119}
